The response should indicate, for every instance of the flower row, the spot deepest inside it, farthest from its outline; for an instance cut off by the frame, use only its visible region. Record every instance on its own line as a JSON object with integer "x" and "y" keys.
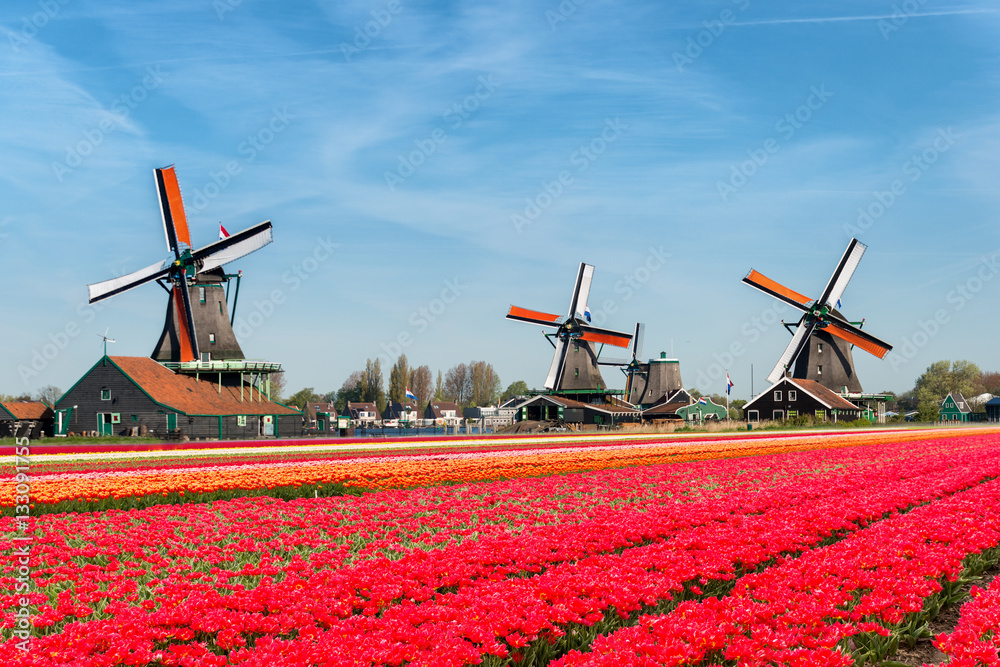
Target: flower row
{"x": 407, "y": 471}
{"x": 975, "y": 641}
{"x": 815, "y": 609}
{"x": 289, "y": 575}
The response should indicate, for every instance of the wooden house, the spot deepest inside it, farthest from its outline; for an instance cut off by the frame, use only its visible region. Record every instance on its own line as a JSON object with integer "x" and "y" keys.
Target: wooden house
{"x": 25, "y": 419}
{"x": 364, "y": 414}
{"x": 704, "y": 409}
{"x": 789, "y": 398}
{"x": 399, "y": 414}
{"x": 443, "y": 413}
{"x": 954, "y": 408}
{"x": 138, "y": 396}
{"x": 548, "y": 407}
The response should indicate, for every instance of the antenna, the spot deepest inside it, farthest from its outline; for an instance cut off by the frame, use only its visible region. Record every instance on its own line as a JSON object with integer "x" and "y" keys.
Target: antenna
{"x": 106, "y": 340}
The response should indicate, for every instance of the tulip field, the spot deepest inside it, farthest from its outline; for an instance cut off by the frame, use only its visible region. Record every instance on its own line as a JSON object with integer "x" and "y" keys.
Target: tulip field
{"x": 791, "y": 549}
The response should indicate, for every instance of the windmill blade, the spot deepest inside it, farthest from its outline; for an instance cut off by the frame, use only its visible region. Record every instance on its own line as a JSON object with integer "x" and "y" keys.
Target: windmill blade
{"x": 842, "y": 275}
{"x": 533, "y": 316}
{"x": 856, "y": 336}
{"x": 606, "y": 336}
{"x": 640, "y": 333}
{"x": 759, "y": 281}
{"x": 233, "y": 247}
{"x": 581, "y": 291}
{"x": 189, "y": 351}
{"x": 175, "y": 225}
{"x": 792, "y": 352}
{"x": 558, "y": 360}
{"x": 108, "y": 288}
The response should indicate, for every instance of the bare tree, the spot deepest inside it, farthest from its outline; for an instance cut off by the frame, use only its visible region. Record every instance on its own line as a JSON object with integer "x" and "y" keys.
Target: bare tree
{"x": 458, "y": 384}
{"x": 277, "y": 386}
{"x": 421, "y": 382}
{"x": 48, "y": 394}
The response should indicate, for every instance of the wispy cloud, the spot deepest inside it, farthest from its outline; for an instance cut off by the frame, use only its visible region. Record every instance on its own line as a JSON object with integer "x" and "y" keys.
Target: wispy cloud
{"x": 864, "y": 17}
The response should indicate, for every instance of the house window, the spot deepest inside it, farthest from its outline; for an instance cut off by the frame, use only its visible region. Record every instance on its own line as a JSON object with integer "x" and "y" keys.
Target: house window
{"x": 201, "y": 295}
{"x": 577, "y": 373}
{"x": 116, "y": 418}
{"x": 220, "y": 308}
{"x": 821, "y": 414}
{"x": 135, "y": 418}
{"x": 819, "y": 348}
{"x": 576, "y": 347}
{"x": 819, "y": 370}
{"x": 753, "y": 416}
{"x": 793, "y": 413}
{"x": 211, "y": 338}
{"x": 779, "y": 414}
{"x": 105, "y": 394}
{"x": 777, "y": 395}
{"x": 791, "y": 394}
{"x": 241, "y": 420}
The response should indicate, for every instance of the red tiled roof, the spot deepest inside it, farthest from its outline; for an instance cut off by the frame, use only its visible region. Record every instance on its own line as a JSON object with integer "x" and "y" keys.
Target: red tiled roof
{"x": 28, "y": 410}
{"x": 191, "y": 396}
{"x": 665, "y": 409}
{"x": 825, "y": 394}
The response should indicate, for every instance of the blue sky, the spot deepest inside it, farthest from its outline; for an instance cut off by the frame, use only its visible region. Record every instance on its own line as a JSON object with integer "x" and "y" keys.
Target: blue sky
{"x": 466, "y": 156}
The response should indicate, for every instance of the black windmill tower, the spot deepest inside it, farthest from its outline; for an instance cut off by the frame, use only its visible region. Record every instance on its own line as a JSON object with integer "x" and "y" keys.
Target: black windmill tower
{"x": 574, "y": 366}
{"x": 198, "y": 330}
{"x": 635, "y": 371}
{"x": 821, "y": 343}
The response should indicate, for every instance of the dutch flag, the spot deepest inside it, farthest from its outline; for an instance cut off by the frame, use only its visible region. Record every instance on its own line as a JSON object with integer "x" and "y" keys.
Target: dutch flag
{"x": 729, "y": 384}
{"x": 410, "y": 394}
{"x": 223, "y": 234}
{"x": 586, "y": 313}
{"x": 703, "y": 400}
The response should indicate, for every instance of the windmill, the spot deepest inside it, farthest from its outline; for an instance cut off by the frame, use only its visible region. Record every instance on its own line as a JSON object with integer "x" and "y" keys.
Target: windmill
{"x": 199, "y": 323}
{"x": 820, "y": 348}
{"x": 632, "y": 368}
{"x": 574, "y": 363}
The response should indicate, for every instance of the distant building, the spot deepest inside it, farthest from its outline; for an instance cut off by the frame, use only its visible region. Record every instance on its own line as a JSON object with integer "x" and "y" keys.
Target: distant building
{"x": 993, "y": 410}
{"x": 547, "y": 407}
{"x": 667, "y": 407}
{"x": 443, "y": 413}
{"x": 704, "y": 409}
{"x": 138, "y": 396}
{"x": 320, "y": 416}
{"x": 25, "y": 419}
{"x": 401, "y": 415}
{"x": 793, "y": 397}
{"x": 954, "y": 408}
{"x": 363, "y": 414}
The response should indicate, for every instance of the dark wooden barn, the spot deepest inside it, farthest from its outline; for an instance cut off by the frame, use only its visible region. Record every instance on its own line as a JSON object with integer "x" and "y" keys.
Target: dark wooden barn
{"x": 791, "y": 397}
{"x": 25, "y": 419}
{"x": 136, "y": 395}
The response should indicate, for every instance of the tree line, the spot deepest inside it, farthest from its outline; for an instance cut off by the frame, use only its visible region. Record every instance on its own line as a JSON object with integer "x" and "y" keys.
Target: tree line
{"x": 942, "y": 378}
{"x": 473, "y": 384}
